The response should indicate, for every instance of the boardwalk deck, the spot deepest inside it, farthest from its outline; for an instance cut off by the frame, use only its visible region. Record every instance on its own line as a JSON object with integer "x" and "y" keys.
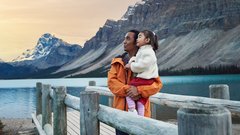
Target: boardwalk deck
{"x": 73, "y": 125}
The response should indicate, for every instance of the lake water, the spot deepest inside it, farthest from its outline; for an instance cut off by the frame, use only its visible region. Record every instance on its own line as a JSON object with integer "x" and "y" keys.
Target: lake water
{"x": 18, "y": 97}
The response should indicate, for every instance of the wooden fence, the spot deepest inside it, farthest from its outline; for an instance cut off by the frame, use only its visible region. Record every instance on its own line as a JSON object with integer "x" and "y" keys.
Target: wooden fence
{"x": 91, "y": 113}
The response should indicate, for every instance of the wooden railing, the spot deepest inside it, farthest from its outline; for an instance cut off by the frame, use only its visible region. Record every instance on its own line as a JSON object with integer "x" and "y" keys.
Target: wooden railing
{"x": 91, "y": 113}
{"x": 181, "y": 101}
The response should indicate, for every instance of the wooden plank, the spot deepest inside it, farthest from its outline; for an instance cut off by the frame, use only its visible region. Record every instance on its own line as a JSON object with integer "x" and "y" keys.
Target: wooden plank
{"x": 73, "y": 125}
{"x": 38, "y": 125}
{"x": 133, "y": 124}
{"x": 70, "y": 131}
{"x": 46, "y": 105}
{"x": 74, "y": 117}
{"x": 73, "y": 128}
{"x": 89, "y": 104}
{"x": 39, "y": 98}
{"x": 74, "y": 120}
{"x": 101, "y": 90}
{"x": 178, "y": 101}
{"x": 220, "y": 91}
{"x": 60, "y": 111}
{"x": 72, "y": 102}
{"x": 48, "y": 129}
{"x": 75, "y": 114}
{"x": 104, "y": 132}
{"x": 106, "y": 128}
{"x": 204, "y": 121}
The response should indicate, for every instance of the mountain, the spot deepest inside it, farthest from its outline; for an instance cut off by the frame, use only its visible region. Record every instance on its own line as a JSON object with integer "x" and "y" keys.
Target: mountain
{"x": 46, "y": 57}
{"x": 192, "y": 33}
{"x": 1, "y": 61}
{"x": 49, "y": 52}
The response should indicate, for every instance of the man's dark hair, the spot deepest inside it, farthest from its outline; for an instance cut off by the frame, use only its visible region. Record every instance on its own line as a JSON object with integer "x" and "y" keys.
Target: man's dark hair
{"x": 135, "y": 34}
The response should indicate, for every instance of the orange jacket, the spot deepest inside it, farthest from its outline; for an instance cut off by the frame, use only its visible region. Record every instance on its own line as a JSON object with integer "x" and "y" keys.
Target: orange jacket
{"x": 118, "y": 79}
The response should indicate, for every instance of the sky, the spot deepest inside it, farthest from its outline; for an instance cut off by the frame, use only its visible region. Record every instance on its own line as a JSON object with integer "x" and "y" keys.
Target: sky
{"x": 22, "y": 22}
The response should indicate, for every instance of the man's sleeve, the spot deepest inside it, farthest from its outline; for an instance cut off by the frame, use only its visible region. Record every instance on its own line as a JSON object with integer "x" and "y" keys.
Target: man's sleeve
{"x": 117, "y": 87}
{"x": 148, "y": 90}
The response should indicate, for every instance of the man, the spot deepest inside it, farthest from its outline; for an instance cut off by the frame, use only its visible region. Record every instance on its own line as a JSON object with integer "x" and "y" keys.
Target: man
{"x": 119, "y": 78}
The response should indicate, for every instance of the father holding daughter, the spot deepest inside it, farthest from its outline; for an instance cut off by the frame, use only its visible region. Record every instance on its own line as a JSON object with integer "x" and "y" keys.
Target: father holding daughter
{"x": 133, "y": 76}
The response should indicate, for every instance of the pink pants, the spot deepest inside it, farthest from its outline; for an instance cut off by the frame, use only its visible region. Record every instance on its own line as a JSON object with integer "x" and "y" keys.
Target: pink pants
{"x": 132, "y": 105}
{"x": 142, "y": 101}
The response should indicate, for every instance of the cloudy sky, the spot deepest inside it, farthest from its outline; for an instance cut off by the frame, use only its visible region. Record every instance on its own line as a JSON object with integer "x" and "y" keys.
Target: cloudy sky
{"x": 22, "y": 22}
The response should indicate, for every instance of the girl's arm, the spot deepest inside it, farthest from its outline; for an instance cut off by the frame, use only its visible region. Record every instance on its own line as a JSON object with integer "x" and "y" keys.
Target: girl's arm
{"x": 146, "y": 58}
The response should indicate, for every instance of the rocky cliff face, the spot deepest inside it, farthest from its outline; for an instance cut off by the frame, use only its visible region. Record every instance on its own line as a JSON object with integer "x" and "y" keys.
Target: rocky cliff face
{"x": 192, "y": 33}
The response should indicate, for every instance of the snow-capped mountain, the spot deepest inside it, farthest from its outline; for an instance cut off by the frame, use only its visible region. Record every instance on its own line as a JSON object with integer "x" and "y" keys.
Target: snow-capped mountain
{"x": 49, "y": 51}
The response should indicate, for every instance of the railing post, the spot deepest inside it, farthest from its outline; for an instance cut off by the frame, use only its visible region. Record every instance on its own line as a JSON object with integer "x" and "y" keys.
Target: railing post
{"x": 92, "y": 83}
{"x": 38, "y": 98}
{"x": 46, "y": 105}
{"x": 212, "y": 120}
{"x": 220, "y": 91}
{"x": 60, "y": 111}
{"x": 89, "y": 106}
{"x": 110, "y": 101}
{"x": 153, "y": 111}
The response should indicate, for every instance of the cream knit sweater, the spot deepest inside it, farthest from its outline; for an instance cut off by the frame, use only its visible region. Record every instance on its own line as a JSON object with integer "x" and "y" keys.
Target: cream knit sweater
{"x": 145, "y": 63}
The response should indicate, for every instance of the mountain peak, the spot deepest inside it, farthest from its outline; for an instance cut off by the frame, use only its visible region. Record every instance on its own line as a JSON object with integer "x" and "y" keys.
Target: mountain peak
{"x": 46, "y": 44}
{"x": 47, "y": 39}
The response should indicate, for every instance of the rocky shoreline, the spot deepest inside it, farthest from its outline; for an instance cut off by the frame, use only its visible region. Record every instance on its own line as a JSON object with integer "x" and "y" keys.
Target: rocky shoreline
{"x": 18, "y": 126}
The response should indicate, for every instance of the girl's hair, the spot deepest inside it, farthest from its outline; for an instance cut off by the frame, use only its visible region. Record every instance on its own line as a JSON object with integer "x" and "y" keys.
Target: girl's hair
{"x": 153, "y": 38}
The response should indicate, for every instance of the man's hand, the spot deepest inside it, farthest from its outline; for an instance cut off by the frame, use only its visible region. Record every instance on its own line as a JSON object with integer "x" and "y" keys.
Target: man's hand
{"x": 136, "y": 98}
{"x": 132, "y": 92}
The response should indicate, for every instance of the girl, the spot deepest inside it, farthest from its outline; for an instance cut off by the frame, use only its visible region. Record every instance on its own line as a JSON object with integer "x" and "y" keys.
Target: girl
{"x": 145, "y": 65}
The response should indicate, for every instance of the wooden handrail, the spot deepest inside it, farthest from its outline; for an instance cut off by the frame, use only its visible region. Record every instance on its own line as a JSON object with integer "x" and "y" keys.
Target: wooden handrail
{"x": 134, "y": 124}
{"x": 178, "y": 101}
{"x": 72, "y": 102}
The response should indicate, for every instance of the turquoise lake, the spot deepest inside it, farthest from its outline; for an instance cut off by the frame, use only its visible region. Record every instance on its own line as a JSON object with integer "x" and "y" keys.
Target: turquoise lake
{"x": 18, "y": 97}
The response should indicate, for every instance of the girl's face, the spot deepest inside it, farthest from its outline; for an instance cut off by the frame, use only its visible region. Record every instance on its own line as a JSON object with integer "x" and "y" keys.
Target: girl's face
{"x": 142, "y": 40}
